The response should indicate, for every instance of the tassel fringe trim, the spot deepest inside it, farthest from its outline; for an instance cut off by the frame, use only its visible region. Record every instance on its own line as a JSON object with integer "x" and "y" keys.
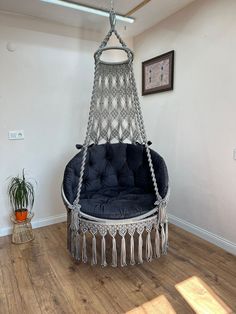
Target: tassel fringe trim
{"x": 154, "y": 248}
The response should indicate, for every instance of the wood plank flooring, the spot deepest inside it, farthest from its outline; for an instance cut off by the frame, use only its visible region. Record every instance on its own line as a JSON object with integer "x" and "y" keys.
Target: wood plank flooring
{"x": 41, "y": 277}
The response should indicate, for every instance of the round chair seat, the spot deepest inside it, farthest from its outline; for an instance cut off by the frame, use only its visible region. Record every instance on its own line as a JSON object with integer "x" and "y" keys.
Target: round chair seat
{"x": 117, "y": 182}
{"x": 122, "y": 203}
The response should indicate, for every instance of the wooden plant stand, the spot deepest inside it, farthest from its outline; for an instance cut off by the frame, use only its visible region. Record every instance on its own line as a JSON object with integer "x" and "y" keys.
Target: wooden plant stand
{"x": 22, "y": 230}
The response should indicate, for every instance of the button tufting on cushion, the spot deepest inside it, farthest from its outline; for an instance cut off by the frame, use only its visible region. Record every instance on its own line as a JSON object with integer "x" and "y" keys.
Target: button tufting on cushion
{"x": 117, "y": 182}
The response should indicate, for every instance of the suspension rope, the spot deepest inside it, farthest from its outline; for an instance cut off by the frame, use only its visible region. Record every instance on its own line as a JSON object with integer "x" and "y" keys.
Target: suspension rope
{"x": 143, "y": 133}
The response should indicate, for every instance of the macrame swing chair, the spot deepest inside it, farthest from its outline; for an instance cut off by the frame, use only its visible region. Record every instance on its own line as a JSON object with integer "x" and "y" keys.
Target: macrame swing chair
{"x": 116, "y": 186}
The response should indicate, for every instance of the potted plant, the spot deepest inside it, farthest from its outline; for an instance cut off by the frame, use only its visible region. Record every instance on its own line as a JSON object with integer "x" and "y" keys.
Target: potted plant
{"x": 21, "y": 195}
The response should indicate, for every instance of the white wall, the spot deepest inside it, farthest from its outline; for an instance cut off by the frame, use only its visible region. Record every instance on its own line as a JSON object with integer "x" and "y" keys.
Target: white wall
{"x": 45, "y": 88}
{"x": 194, "y": 126}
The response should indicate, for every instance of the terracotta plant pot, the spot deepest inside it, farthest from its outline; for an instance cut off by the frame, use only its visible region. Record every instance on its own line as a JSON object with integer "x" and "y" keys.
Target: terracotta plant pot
{"x": 21, "y": 215}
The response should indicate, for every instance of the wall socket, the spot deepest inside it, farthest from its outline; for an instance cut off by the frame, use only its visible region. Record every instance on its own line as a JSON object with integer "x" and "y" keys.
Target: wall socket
{"x": 16, "y": 135}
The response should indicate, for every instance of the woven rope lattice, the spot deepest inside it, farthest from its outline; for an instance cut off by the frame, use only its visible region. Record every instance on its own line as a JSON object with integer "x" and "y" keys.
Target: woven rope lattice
{"x": 115, "y": 114}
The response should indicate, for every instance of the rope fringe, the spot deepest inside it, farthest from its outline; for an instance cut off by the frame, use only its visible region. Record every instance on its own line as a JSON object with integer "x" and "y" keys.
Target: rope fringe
{"x": 103, "y": 252}
{"x": 84, "y": 251}
{"x": 78, "y": 241}
{"x": 77, "y": 246}
{"x": 132, "y": 260}
{"x": 74, "y": 223}
{"x": 148, "y": 247}
{"x": 114, "y": 253}
{"x": 123, "y": 253}
{"x": 164, "y": 238}
{"x": 163, "y": 228}
{"x": 167, "y": 236}
{"x": 157, "y": 243}
{"x": 140, "y": 249}
{"x": 94, "y": 251}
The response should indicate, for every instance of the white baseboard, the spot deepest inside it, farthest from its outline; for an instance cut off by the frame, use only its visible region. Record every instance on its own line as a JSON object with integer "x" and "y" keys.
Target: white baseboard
{"x": 204, "y": 234}
{"x": 40, "y": 222}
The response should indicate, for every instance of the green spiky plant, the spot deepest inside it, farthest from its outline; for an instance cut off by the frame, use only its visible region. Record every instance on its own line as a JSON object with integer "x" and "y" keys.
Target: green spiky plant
{"x": 21, "y": 193}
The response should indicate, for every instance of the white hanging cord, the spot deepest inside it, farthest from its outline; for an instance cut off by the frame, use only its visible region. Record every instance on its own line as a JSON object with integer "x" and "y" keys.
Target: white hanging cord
{"x": 112, "y": 16}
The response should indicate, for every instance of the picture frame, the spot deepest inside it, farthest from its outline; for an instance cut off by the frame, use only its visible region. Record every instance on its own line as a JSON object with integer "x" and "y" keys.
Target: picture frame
{"x": 158, "y": 74}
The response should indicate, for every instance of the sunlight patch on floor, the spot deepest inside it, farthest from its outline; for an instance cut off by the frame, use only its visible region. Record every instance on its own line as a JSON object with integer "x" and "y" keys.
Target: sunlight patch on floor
{"x": 201, "y": 297}
{"x": 159, "y": 305}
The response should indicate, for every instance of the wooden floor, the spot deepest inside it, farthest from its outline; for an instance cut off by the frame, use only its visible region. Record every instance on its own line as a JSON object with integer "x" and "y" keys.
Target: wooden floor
{"x": 40, "y": 277}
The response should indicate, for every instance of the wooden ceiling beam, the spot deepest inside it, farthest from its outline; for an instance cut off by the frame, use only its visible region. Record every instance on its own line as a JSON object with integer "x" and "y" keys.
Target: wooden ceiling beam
{"x": 138, "y": 7}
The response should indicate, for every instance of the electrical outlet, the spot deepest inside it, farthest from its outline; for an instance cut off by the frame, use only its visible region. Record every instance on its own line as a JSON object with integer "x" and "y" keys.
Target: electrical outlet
{"x": 16, "y": 135}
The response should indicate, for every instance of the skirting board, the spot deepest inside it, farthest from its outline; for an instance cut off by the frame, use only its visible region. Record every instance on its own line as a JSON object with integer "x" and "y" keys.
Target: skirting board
{"x": 41, "y": 222}
{"x": 204, "y": 234}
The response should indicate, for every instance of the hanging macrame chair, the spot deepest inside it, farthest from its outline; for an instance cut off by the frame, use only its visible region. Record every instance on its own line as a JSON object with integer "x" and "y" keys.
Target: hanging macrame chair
{"x": 116, "y": 186}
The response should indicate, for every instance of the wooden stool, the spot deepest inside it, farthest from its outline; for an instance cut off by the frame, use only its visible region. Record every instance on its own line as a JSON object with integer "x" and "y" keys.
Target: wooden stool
{"x": 22, "y": 230}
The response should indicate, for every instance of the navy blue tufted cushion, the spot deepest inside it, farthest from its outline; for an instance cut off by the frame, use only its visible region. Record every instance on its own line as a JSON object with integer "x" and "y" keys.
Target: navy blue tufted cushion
{"x": 117, "y": 182}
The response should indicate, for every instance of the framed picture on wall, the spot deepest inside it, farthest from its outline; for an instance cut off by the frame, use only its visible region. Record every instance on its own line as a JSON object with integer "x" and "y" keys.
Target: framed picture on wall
{"x": 158, "y": 74}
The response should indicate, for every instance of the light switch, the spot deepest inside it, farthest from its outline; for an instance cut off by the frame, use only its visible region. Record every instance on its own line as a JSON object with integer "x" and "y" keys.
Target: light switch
{"x": 16, "y": 135}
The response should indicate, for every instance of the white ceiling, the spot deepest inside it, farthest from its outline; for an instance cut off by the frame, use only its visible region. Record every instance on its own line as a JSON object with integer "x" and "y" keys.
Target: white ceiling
{"x": 152, "y": 13}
